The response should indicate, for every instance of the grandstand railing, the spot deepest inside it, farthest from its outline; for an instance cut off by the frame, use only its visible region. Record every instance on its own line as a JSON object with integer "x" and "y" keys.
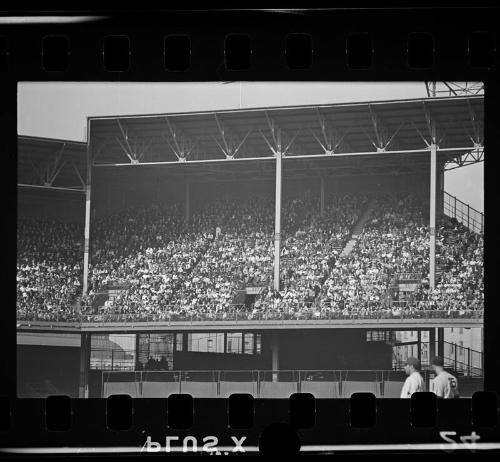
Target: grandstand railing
{"x": 267, "y": 383}
{"x": 265, "y": 315}
{"x": 463, "y": 213}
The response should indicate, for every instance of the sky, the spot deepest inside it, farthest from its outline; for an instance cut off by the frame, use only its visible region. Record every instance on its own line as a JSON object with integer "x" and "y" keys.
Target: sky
{"x": 59, "y": 110}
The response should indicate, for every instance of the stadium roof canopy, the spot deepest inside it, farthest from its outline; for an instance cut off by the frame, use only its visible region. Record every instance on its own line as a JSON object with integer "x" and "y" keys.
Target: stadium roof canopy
{"x": 45, "y": 163}
{"x": 364, "y": 138}
{"x": 333, "y": 139}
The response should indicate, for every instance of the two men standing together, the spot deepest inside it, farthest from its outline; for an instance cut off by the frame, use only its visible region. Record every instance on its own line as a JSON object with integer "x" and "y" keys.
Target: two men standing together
{"x": 444, "y": 385}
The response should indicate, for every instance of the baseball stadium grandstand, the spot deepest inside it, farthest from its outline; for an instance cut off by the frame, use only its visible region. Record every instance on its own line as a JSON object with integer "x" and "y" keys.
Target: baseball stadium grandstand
{"x": 270, "y": 251}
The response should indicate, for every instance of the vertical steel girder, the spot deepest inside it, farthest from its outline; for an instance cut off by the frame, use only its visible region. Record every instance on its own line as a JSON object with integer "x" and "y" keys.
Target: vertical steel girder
{"x": 88, "y": 198}
{"x": 135, "y": 153}
{"x": 277, "y": 220}
{"x": 182, "y": 146}
{"x": 231, "y": 143}
{"x": 432, "y": 212}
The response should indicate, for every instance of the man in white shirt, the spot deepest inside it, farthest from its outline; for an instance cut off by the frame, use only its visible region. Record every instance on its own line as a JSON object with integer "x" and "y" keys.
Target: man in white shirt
{"x": 414, "y": 382}
{"x": 444, "y": 385}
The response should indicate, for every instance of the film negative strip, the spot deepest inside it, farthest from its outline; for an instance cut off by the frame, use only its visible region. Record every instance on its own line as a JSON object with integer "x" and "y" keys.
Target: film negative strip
{"x": 243, "y": 232}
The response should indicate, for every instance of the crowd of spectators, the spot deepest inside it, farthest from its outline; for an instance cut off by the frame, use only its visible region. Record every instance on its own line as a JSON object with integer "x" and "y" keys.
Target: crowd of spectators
{"x": 311, "y": 252}
{"x": 394, "y": 240}
{"x": 460, "y": 281}
{"x": 170, "y": 268}
{"x": 49, "y": 269}
{"x": 153, "y": 253}
{"x": 154, "y": 364}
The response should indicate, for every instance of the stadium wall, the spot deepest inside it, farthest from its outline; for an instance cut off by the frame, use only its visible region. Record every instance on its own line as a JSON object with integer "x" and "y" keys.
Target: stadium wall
{"x": 188, "y": 360}
{"x": 343, "y": 349}
{"x": 307, "y": 349}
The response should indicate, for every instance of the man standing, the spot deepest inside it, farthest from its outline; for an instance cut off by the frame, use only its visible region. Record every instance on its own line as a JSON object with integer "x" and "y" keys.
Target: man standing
{"x": 414, "y": 382}
{"x": 444, "y": 385}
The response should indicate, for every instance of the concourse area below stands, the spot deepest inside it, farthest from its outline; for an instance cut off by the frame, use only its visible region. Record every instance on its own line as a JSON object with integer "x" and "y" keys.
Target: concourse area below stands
{"x": 332, "y": 363}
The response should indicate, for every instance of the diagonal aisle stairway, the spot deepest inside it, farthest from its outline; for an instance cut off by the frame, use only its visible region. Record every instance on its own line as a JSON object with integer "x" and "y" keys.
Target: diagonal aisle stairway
{"x": 358, "y": 229}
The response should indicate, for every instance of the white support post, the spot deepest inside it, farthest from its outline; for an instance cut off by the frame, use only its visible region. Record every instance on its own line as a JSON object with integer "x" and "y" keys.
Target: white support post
{"x": 440, "y": 192}
{"x": 277, "y": 227}
{"x": 88, "y": 190}
{"x": 275, "y": 355}
{"x": 432, "y": 224}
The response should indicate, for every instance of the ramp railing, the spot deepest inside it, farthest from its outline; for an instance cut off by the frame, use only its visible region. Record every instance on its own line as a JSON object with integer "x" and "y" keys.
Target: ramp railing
{"x": 463, "y": 213}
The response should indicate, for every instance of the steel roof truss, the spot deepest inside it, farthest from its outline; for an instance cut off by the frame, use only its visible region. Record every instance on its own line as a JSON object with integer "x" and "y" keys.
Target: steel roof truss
{"x": 431, "y": 125}
{"x": 279, "y": 137}
{"x": 79, "y": 175}
{"x": 421, "y": 135}
{"x": 99, "y": 151}
{"x": 383, "y": 140}
{"x": 474, "y": 156}
{"x": 183, "y": 147}
{"x": 48, "y": 173}
{"x": 231, "y": 142}
{"x": 332, "y": 139}
{"x": 477, "y": 127}
{"x": 126, "y": 148}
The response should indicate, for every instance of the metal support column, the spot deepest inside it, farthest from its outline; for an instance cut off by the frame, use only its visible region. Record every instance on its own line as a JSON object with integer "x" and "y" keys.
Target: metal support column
{"x": 277, "y": 227}
{"x": 432, "y": 224}
{"x": 88, "y": 193}
{"x": 83, "y": 389}
{"x": 456, "y": 352}
{"x": 275, "y": 355}
{"x": 432, "y": 343}
{"x": 137, "y": 348}
{"x": 188, "y": 201}
{"x": 419, "y": 345}
{"x": 322, "y": 196}
{"x": 440, "y": 344}
{"x": 468, "y": 361}
{"x": 441, "y": 191}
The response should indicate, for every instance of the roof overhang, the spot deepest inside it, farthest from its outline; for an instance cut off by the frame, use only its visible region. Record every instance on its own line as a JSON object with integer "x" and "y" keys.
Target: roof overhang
{"x": 48, "y": 164}
{"x": 394, "y": 135}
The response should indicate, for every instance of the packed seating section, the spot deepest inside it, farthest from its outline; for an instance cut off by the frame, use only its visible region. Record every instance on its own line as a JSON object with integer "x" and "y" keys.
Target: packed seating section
{"x": 170, "y": 269}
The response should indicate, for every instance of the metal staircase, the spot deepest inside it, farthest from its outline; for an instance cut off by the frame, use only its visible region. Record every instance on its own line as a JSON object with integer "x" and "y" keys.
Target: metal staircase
{"x": 461, "y": 361}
